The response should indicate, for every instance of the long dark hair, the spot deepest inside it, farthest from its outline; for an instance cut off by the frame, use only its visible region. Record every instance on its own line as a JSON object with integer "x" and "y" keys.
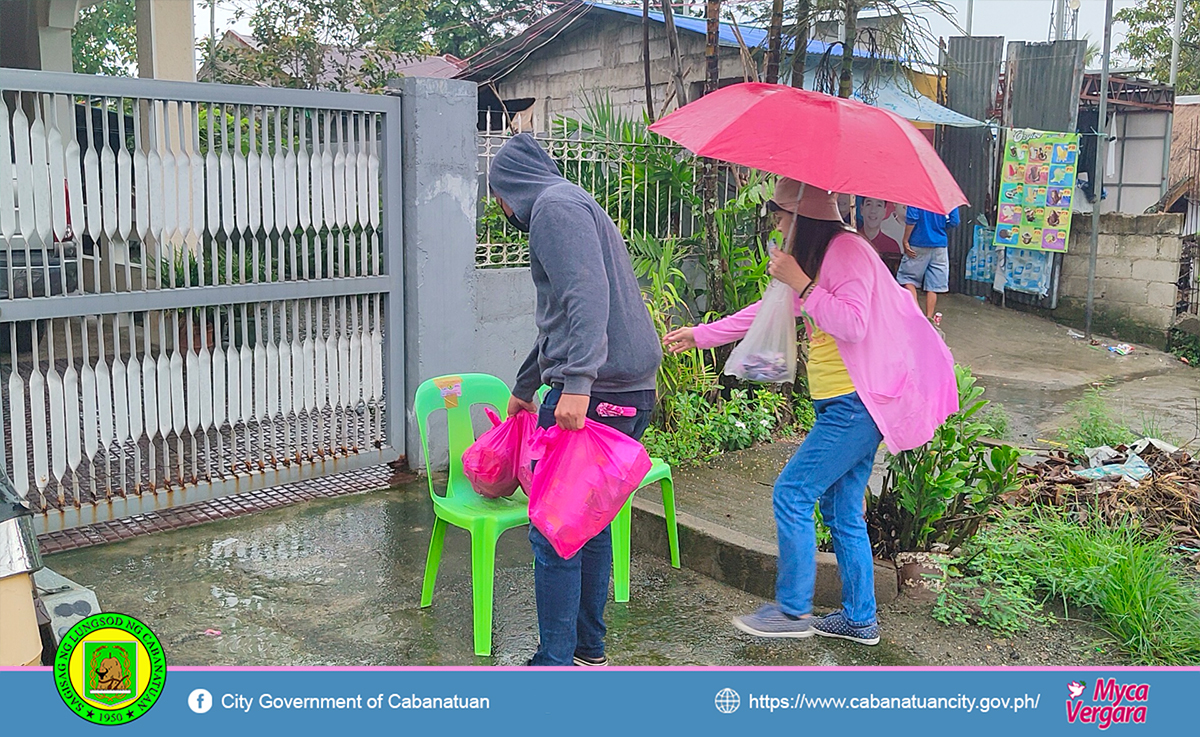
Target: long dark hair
{"x": 811, "y": 239}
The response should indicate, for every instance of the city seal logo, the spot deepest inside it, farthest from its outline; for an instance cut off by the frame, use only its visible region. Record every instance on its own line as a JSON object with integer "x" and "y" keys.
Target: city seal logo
{"x": 110, "y": 669}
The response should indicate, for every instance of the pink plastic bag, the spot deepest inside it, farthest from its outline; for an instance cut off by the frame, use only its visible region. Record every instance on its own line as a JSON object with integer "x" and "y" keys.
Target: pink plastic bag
{"x": 581, "y": 481}
{"x": 500, "y": 459}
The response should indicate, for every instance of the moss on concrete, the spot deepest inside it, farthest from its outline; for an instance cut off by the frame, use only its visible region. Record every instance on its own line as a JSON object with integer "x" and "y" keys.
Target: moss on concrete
{"x": 1105, "y": 322}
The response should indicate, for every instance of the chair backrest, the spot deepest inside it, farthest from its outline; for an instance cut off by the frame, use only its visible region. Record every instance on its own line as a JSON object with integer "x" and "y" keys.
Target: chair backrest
{"x": 455, "y": 395}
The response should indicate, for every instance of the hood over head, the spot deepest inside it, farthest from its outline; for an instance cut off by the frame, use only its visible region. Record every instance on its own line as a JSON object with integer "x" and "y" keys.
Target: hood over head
{"x": 520, "y": 172}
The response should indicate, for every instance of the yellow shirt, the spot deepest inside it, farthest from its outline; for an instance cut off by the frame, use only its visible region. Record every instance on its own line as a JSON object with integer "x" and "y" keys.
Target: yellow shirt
{"x": 827, "y": 374}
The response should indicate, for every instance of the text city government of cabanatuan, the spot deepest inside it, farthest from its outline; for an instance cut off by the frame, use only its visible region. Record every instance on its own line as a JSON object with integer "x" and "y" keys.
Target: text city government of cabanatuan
{"x": 392, "y": 701}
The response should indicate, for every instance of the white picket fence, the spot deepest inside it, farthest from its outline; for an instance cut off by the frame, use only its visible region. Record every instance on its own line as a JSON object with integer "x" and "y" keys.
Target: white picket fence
{"x": 198, "y": 283}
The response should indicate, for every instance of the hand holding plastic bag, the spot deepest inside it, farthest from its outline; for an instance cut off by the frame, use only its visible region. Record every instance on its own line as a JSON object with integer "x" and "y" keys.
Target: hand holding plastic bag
{"x": 581, "y": 481}
{"x": 500, "y": 460}
{"x": 768, "y": 352}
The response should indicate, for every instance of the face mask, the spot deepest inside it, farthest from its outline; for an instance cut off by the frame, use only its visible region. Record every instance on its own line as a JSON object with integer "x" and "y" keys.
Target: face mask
{"x": 513, "y": 221}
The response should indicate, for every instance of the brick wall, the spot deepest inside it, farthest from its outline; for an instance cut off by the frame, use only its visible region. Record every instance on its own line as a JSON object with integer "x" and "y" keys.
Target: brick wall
{"x": 1137, "y": 265}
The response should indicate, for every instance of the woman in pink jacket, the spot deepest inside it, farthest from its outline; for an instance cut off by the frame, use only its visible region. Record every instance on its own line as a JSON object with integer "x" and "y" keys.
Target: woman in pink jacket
{"x": 877, "y": 371}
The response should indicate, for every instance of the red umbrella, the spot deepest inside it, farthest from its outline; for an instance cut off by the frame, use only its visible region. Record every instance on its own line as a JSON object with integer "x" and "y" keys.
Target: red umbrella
{"x": 838, "y": 145}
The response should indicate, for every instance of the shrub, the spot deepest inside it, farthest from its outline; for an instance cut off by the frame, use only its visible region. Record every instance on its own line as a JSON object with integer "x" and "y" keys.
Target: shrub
{"x": 940, "y": 493}
{"x": 1185, "y": 345}
{"x": 701, "y": 429}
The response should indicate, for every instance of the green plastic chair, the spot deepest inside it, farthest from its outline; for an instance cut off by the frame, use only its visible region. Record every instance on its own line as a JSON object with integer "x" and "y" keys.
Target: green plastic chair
{"x": 486, "y": 519}
{"x": 660, "y": 472}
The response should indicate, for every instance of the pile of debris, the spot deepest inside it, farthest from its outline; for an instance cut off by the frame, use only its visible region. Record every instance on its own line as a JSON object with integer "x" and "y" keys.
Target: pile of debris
{"x": 1154, "y": 483}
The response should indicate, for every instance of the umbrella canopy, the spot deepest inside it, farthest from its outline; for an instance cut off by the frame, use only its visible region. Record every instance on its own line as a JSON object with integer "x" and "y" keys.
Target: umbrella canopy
{"x": 838, "y": 145}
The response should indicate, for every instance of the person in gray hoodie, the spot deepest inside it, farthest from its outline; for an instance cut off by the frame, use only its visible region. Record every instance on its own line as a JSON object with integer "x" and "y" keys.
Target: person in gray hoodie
{"x": 599, "y": 353}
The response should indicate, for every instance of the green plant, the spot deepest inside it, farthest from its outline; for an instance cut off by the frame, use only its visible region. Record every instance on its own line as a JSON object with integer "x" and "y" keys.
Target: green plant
{"x": 1185, "y": 346}
{"x": 701, "y": 428}
{"x": 1005, "y": 603}
{"x": 1134, "y": 585}
{"x": 742, "y": 254}
{"x": 940, "y": 493}
{"x": 1092, "y": 425}
{"x": 996, "y": 419}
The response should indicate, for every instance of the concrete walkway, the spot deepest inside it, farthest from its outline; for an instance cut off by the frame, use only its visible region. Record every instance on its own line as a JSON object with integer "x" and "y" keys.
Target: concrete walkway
{"x": 1034, "y": 368}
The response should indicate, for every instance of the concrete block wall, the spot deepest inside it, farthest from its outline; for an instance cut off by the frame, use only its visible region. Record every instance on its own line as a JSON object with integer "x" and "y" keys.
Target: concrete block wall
{"x": 504, "y": 328}
{"x": 605, "y": 58}
{"x": 1137, "y": 265}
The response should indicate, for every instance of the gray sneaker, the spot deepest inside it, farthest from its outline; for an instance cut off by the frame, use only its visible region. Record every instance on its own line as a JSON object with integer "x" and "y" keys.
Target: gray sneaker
{"x": 770, "y": 621}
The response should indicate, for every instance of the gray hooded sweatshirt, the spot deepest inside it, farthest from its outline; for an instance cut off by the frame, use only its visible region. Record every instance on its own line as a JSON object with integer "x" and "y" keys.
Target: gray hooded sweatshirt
{"x": 594, "y": 332}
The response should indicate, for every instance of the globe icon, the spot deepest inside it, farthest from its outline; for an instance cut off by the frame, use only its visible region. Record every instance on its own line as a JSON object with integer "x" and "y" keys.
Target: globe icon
{"x": 728, "y": 701}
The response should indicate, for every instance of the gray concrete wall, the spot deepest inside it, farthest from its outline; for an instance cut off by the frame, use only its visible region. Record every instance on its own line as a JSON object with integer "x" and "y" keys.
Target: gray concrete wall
{"x": 1137, "y": 266}
{"x": 605, "y": 58}
{"x": 504, "y": 329}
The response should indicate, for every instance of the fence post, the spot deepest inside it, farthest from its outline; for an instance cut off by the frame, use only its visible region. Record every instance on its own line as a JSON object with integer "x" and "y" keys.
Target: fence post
{"x": 440, "y": 184}
{"x": 392, "y": 196}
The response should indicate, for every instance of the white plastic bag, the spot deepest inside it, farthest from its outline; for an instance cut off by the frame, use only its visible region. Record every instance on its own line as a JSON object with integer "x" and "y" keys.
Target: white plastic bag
{"x": 768, "y": 352}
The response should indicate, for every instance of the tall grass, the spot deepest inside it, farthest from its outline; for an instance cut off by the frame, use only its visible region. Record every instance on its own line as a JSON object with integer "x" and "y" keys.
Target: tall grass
{"x": 1093, "y": 425}
{"x": 1135, "y": 586}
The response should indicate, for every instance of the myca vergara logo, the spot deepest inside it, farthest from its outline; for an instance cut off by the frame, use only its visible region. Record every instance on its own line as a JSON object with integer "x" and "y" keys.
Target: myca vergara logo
{"x": 110, "y": 669}
{"x": 1112, "y": 703}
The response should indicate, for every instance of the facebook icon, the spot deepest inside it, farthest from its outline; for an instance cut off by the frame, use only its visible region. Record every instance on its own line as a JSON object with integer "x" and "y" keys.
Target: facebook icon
{"x": 200, "y": 701}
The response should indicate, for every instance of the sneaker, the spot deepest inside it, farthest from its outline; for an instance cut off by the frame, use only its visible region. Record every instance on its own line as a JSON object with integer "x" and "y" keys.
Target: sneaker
{"x": 836, "y": 625}
{"x": 584, "y": 662}
{"x": 770, "y": 621}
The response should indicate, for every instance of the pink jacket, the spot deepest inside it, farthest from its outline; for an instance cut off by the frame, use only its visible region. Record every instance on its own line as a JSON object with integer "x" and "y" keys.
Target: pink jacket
{"x": 900, "y": 367}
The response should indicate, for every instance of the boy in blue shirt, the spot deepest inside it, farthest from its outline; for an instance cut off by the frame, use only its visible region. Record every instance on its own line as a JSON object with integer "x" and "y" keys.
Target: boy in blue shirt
{"x": 926, "y": 262}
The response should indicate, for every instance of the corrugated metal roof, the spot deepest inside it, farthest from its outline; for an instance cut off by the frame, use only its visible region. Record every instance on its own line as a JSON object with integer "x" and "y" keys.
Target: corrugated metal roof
{"x": 497, "y": 59}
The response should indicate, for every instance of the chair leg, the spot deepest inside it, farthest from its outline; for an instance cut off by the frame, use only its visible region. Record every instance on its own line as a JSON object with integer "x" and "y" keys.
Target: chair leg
{"x": 668, "y": 497}
{"x": 483, "y": 574}
{"x": 432, "y": 560}
{"x": 620, "y": 546}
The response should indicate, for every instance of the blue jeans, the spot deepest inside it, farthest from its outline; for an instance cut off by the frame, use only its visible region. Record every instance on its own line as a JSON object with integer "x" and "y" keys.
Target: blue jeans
{"x": 833, "y": 466}
{"x": 571, "y": 592}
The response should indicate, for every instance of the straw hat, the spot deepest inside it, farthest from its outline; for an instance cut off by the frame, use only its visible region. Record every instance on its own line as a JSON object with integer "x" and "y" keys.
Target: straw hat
{"x": 810, "y": 202}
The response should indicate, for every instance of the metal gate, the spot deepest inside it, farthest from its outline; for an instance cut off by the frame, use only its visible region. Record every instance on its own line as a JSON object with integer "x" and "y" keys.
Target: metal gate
{"x": 201, "y": 290}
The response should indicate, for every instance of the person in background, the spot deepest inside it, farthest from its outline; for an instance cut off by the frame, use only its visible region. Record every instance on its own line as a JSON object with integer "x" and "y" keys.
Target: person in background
{"x": 845, "y": 203}
{"x": 598, "y": 351}
{"x": 926, "y": 262}
{"x": 872, "y": 212}
{"x": 877, "y": 370}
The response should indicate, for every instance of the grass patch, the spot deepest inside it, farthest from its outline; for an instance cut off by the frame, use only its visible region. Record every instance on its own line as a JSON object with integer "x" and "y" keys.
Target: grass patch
{"x": 1093, "y": 425}
{"x": 996, "y": 419}
{"x": 1135, "y": 586}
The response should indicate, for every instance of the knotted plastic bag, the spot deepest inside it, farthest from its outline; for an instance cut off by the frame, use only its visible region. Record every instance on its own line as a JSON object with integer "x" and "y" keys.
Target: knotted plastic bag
{"x": 500, "y": 460}
{"x": 768, "y": 352}
{"x": 582, "y": 480}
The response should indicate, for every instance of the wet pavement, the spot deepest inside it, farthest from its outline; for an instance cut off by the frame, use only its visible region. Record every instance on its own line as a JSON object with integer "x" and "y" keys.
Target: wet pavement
{"x": 337, "y": 582}
{"x": 1034, "y": 368}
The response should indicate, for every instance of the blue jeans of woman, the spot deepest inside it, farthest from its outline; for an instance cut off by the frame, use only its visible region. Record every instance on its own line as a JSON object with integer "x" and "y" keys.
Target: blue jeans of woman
{"x": 831, "y": 467}
{"x": 571, "y": 592}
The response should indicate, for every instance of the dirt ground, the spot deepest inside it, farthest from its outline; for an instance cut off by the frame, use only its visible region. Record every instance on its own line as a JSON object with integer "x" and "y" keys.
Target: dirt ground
{"x": 910, "y": 625}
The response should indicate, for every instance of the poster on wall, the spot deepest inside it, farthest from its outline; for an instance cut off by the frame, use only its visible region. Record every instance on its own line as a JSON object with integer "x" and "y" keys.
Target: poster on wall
{"x": 1037, "y": 181}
